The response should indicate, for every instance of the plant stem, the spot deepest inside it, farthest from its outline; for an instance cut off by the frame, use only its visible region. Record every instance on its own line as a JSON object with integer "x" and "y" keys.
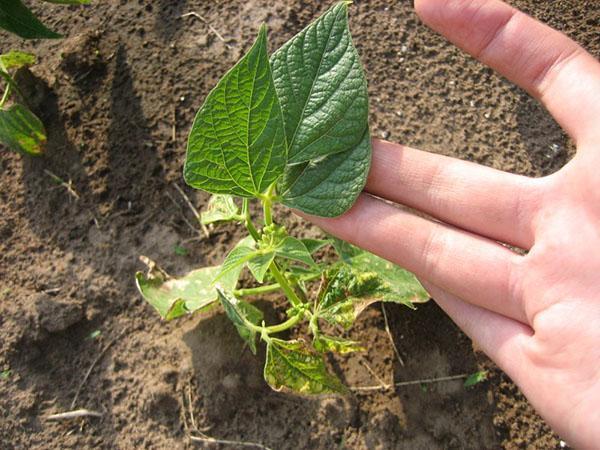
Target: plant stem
{"x": 5, "y": 96}
{"x": 267, "y": 212}
{"x": 257, "y": 290}
{"x": 248, "y": 221}
{"x": 246, "y": 292}
{"x": 275, "y": 328}
{"x": 283, "y": 283}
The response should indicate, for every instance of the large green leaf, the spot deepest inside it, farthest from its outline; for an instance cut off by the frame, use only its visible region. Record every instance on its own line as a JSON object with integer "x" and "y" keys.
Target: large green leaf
{"x": 17, "y": 18}
{"x": 237, "y": 144}
{"x": 328, "y": 187}
{"x": 292, "y": 365}
{"x": 15, "y": 60}
{"x": 22, "y": 131}
{"x": 241, "y": 313}
{"x": 322, "y": 88}
{"x": 323, "y": 93}
{"x": 220, "y": 208}
{"x": 174, "y": 297}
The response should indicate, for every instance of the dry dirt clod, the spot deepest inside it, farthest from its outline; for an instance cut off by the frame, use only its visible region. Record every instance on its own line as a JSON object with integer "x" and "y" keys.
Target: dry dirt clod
{"x": 55, "y": 315}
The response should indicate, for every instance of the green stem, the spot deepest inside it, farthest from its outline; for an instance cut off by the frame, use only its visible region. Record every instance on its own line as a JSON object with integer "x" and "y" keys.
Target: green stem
{"x": 267, "y": 212}
{"x": 5, "y": 96}
{"x": 11, "y": 84}
{"x": 275, "y": 328}
{"x": 247, "y": 292}
{"x": 257, "y": 290}
{"x": 283, "y": 283}
{"x": 248, "y": 221}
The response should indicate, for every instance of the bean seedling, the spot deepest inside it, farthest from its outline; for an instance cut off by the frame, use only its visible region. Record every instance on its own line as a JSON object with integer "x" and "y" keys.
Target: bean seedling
{"x": 290, "y": 129}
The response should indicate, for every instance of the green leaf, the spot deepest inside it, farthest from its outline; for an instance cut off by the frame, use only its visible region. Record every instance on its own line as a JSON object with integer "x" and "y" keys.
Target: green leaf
{"x": 220, "y": 208}
{"x": 236, "y": 259}
{"x": 237, "y": 144}
{"x": 5, "y": 374}
{"x": 174, "y": 297}
{"x": 294, "y": 249}
{"x": 323, "y": 93}
{"x": 241, "y": 313}
{"x": 475, "y": 378}
{"x": 322, "y": 88}
{"x": 328, "y": 187}
{"x": 291, "y": 365}
{"x": 346, "y": 250}
{"x": 17, "y": 18}
{"x": 312, "y": 245}
{"x": 94, "y": 334}
{"x": 15, "y": 60}
{"x": 180, "y": 251}
{"x": 339, "y": 345}
{"x": 260, "y": 265}
{"x": 22, "y": 131}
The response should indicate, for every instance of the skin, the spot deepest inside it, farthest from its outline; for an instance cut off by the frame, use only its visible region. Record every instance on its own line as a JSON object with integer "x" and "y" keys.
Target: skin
{"x": 535, "y": 313}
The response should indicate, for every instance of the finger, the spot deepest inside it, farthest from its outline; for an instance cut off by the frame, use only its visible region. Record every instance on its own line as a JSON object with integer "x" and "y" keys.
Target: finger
{"x": 546, "y": 63}
{"x": 469, "y": 266}
{"x": 485, "y": 201}
{"x": 501, "y": 338}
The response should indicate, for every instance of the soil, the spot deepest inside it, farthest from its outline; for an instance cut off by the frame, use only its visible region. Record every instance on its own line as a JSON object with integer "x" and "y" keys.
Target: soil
{"x": 118, "y": 96}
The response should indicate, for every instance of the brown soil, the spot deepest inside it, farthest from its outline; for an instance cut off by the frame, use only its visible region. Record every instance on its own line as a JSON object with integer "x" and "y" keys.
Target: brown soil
{"x": 118, "y": 97}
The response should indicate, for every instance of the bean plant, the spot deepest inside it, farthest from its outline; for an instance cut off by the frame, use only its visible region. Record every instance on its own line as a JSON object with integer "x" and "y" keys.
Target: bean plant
{"x": 289, "y": 129}
{"x": 20, "y": 129}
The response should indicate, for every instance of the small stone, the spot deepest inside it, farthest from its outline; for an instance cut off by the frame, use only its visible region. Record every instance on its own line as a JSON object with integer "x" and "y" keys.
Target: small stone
{"x": 385, "y": 134}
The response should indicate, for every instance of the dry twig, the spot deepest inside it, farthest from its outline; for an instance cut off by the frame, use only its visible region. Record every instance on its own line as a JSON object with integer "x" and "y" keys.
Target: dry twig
{"x": 389, "y": 333}
{"x": 210, "y": 27}
{"x": 73, "y": 414}
{"x": 68, "y": 185}
{"x": 190, "y": 205}
{"x": 89, "y": 371}
{"x": 409, "y": 383}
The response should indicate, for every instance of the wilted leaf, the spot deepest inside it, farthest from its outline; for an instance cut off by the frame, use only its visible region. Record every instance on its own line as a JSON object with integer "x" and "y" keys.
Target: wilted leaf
{"x": 22, "y": 131}
{"x": 240, "y": 313}
{"x": 174, "y": 297}
{"x": 339, "y": 345}
{"x": 349, "y": 291}
{"x": 237, "y": 143}
{"x": 15, "y": 60}
{"x": 220, "y": 208}
{"x": 17, "y": 18}
{"x": 323, "y": 94}
{"x": 292, "y": 365}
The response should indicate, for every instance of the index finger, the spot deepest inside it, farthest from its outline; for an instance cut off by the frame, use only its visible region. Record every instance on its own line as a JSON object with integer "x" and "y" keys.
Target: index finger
{"x": 543, "y": 61}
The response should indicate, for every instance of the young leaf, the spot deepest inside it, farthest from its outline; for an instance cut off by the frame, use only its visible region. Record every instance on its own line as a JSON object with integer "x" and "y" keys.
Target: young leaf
{"x": 236, "y": 259}
{"x": 237, "y": 144}
{"x": 339, "y": 345}
{"x": 174, "y": 297}
{"x": 323, "y": 93}
{"x": 294, "y": 249}
{"x": 22, "y": 131}
{"x": 220, "y": 208}
{"x": 17, "y": 18}
{"x": 260, "y": 265}
{"x": 475, "y": 378}
{"x": 241, "y": 313}
{"x": 291, "y": 365}
{"x": 322, "y": 88}
{"x": 15, "y": 60}
{"x": 312, "y": 245}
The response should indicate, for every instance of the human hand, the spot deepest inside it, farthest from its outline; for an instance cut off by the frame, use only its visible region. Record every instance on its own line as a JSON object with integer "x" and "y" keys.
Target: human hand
{"x": 536, "y": 315}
